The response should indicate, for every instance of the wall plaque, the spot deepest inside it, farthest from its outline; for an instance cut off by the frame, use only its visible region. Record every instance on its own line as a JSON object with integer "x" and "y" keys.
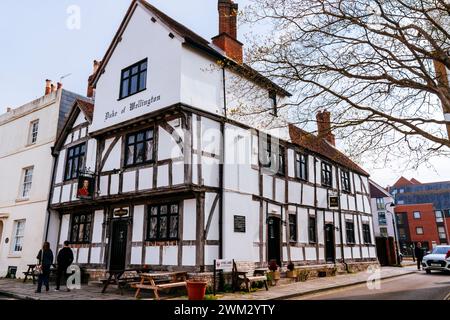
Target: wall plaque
{"x": 239, "y": 224}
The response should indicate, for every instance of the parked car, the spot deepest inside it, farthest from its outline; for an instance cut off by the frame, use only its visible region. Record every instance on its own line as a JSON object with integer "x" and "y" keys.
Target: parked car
{"x": 438, "y": 259}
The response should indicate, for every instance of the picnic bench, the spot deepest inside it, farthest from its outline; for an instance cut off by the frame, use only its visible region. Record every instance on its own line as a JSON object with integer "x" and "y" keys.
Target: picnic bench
{"x": 31, "y": 272}
{"x": 160, "y": 281}
{"x": 122, "y": 278}
{"x": 245, "y": 272}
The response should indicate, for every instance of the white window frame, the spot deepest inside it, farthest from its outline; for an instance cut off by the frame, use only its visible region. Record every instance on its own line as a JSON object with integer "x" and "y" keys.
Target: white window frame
{"x": 441, "y": 231}
{"x": 33, "y": 132}
{"x": 417, "y": 230}
{"x": 417, "y": 217}
{"x": 18, "y": 234}
{"x": 440, "y": 217}
{"x": 24, "y": 183}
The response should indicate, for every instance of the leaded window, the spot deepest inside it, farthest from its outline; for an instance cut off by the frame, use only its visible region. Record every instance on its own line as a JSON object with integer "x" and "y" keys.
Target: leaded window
{"x": 139, "y": 148}
{"x": 327, "y": 178}
{"x": 75, "y": 161}
{"x": 162, "y": 222}
{"x": 350, "y": 231}
{"x": 81, "y": 228}
{"x": 301, "y": 166}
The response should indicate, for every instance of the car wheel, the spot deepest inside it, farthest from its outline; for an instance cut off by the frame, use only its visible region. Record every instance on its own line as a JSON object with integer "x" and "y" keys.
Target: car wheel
{"x": 428, "y": 271}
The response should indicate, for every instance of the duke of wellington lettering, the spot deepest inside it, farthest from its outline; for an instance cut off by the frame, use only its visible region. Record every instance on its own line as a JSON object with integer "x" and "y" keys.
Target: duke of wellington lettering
{"x": 157, "y": 184}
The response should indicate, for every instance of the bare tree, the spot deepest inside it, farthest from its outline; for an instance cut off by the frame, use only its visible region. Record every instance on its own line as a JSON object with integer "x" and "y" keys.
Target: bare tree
{"x": 372, "y": 63}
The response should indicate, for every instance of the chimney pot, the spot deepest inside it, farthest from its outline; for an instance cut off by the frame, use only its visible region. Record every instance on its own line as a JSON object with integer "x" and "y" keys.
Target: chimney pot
{"x": 8, "y": 109}
{"x": 90, "y": 89}
{"x": 53, "y": 88}
{"x": 48, "y": 86}
{"x": 59, "y": 85}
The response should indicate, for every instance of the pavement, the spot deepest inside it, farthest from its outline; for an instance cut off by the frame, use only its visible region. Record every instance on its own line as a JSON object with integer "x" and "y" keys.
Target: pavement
{"x": 415, "y": 286}
{"x": 19, "y": 290}
{"x": 296, "y": 289}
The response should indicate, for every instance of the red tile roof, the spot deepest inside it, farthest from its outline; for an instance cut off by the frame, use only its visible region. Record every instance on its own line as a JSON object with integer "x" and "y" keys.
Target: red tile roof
{"x": 318, "y": 145}
{"x": 401, "y": 182}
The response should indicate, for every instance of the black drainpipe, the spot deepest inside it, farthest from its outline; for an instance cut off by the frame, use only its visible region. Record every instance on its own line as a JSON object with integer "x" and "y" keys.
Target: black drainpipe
{"x": 340, "y": 220}
{"x": 50, "y": 194}
{"x": 222, "y": 164}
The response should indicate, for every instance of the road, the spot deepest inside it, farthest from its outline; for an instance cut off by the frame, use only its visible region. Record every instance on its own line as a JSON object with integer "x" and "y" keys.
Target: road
{"x": 416, "y": 286}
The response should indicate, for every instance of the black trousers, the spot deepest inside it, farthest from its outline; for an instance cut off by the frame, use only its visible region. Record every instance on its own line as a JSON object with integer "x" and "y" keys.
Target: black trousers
{"x": 419, "y": 263}
{"x": 43, "y": 278}
{"x": 61, "y": 274}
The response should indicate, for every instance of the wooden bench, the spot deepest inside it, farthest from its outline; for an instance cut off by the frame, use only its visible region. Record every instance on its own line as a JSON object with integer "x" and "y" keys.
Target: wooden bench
{"x": 157, "y": 287}
{"x": 150, "y": 281}
{"x": 244, "y": 272}
{"x": 31, "y": 272}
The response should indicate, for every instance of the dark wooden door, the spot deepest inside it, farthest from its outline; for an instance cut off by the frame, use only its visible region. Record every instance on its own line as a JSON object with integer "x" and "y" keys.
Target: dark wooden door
{"x": 118, "y": 245}
{"x": 329, "y": 243}
{"x": 274, "y": 240}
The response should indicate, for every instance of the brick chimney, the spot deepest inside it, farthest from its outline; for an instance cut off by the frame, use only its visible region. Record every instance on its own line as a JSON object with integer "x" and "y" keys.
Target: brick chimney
{"x": 48, "y": 86}
{"x": 227, "y": 38}
{"x": 90, "y": 89}
{"x": 324, "y": 126}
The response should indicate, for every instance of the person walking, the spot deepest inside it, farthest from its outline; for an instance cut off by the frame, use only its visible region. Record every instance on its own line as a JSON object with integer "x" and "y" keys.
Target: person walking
{"x": 64, "y": 260}
{"x": 419, "y": 253}
{"x": 45, "y": 257}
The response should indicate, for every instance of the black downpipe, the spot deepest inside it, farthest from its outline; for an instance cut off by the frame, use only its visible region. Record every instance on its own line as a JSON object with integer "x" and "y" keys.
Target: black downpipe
{"x": 50, "y": 194}
{"x": 340, "y": 221}
{"x": 221, "y": 166}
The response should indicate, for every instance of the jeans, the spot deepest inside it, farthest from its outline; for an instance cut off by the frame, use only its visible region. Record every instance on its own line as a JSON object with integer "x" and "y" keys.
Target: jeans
{"x": 44, "y": 278}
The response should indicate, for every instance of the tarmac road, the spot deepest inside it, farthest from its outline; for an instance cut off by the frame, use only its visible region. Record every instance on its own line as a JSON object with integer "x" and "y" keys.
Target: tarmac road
{"x": 416, "y": 286}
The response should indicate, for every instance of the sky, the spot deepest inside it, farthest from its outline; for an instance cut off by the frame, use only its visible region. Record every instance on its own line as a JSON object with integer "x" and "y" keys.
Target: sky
{"x": 43, "y": 40}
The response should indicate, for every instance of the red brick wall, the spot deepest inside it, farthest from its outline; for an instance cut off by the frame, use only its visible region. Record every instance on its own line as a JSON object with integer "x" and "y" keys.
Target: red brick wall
{"x": 427, "y": 221}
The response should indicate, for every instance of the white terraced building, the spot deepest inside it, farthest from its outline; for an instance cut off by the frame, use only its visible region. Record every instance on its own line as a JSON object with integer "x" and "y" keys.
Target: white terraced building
{"x": 161, "y": 186}
{"x": 27, "y": 134}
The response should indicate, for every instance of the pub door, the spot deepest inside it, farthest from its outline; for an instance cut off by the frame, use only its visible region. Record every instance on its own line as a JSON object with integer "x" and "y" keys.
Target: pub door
{"x": 329, "y": 243}
{"x": 274, "y": 239}
{"x": 118, "y": 244}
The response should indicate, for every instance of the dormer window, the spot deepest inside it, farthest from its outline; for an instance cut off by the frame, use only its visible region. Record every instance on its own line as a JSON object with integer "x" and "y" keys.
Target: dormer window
{"x": 133, "y": 79}
{"x": 273, "y": 103}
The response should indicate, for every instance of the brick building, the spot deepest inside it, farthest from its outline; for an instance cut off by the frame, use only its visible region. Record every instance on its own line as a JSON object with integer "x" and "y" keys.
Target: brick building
{"x": 423, "y": 212}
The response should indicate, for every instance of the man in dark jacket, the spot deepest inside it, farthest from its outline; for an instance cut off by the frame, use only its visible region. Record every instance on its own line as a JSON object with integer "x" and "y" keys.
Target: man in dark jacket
{"x": 64, "y": 260}
{"x": 419, "y": 253}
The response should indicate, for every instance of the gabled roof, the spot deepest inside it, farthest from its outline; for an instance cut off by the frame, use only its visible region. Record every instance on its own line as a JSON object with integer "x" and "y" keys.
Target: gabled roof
{"x": 78, "y": 106}
{"x": 190, "y": 38}
{"x": 87, "y": 108}
{"x": 377, "y": 191}
{"x": 401, "y": 182}
{"x": 318, "y": 145}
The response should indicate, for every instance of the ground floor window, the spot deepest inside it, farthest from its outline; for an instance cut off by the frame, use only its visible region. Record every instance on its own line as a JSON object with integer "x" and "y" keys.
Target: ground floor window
{"x": 366, "y": 233}
{"x": 162, "y": 223}
{"x": 81, "y": 228}
{"x": 293, "y": 227}
{"x": 350, "y": 231}
{"x": 19, "y": 228}
{"x": 312, "y": 229}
